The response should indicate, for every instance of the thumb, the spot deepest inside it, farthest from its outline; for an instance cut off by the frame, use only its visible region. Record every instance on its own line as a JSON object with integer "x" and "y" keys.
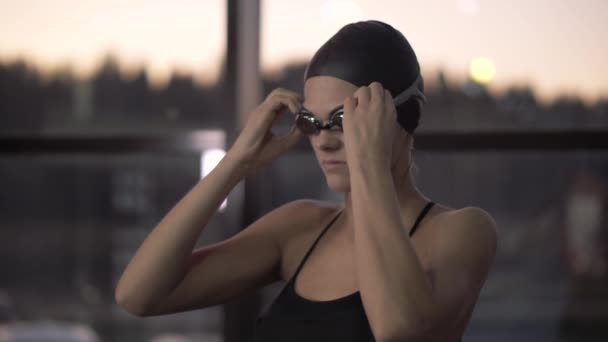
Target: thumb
{"x": 290, "y": 139}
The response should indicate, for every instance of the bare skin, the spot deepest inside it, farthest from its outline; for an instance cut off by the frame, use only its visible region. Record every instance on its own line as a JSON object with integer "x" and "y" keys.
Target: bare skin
{"x": 167, "y": 276}
{"x": 331, "y": 270}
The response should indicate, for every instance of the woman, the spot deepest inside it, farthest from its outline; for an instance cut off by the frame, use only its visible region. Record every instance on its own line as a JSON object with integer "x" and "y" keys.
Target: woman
{"x": 355, "y": 271}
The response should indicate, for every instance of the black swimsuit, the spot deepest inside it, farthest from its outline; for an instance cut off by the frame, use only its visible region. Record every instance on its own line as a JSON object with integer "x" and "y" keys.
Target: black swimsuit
{"x": 294, "y": 318}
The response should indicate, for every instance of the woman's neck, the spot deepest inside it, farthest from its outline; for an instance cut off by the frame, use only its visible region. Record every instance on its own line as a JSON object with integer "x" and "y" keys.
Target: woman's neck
{"x": 411, "y": 201}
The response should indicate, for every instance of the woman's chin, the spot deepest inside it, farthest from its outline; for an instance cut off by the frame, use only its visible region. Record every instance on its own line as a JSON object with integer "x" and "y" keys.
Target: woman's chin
{"x": 338, "y": 183}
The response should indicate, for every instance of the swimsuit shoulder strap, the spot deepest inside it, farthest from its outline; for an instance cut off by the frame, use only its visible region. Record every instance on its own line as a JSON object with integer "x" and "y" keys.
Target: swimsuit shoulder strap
{"x": 315, "y": 243}
{"x": 422, "y": 214}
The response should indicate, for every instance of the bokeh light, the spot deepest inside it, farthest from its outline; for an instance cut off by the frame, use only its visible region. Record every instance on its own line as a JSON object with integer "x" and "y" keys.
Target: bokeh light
{"x": 482, "y": 70}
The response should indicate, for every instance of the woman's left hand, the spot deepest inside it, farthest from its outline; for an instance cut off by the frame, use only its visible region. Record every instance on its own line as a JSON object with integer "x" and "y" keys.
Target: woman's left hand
{"x": 369, "y": 125}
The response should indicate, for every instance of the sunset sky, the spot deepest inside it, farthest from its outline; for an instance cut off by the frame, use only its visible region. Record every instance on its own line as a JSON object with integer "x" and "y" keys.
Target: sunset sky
{"x": 556, "y": 46}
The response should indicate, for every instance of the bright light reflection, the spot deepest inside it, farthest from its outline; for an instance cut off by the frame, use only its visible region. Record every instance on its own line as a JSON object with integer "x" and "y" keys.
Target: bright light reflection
{"x": 209, "y": 161}
{"x": 482, "y": 70}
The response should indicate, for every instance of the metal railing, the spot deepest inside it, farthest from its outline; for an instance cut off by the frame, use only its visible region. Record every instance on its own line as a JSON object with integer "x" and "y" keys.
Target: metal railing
{"x": 194, "y": 142}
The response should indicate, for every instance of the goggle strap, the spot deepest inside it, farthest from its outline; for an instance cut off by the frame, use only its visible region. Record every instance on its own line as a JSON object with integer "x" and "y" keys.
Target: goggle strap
{"x": 409, "y": 92}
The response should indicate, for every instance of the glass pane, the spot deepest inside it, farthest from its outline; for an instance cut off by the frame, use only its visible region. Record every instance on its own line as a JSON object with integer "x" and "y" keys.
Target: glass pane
{"x": 69, "y": 226}
{"x": 487, "y": 65}
{"x": 111, "y": 66}
{"x": 549, "y": 281}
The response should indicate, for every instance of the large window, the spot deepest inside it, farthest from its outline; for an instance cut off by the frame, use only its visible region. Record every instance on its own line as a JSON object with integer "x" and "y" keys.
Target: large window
{"x": 71, "y": 223}
{"x": 74, "y": 67}
{"x": 110, "y": 111}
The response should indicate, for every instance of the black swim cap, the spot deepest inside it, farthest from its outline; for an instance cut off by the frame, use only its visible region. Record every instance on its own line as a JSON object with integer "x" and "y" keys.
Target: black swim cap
{"x": 368, "y": 51}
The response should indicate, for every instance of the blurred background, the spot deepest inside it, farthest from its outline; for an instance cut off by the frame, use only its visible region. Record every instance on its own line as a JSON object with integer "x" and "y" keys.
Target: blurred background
{"x": 110, "y": 111}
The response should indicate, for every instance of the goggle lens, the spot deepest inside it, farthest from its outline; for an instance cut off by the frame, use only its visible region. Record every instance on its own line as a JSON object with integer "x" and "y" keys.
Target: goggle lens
{"x": 309, "y": 124}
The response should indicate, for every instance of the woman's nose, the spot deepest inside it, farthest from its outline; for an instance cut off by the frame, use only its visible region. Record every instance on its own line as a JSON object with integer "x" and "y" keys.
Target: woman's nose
{"x": 327, "y": 140}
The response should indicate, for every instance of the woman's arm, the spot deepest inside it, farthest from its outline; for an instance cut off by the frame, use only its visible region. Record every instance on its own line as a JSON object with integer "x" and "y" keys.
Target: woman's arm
{"x": 403, "y": 301}
{"x": 162, "y": 260}
{"x": 166, "y": 276}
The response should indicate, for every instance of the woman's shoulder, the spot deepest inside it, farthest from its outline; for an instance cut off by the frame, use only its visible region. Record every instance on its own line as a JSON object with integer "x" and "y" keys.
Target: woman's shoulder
{"x": 471, "y": 216}
{"x": 471, "y": 224}
{"x": 305, "y": 207}
{"x": 301, "y": 216}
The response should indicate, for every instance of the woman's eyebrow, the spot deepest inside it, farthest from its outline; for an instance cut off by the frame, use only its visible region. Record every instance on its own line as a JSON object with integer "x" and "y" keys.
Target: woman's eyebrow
{"x": 330, "y": 112}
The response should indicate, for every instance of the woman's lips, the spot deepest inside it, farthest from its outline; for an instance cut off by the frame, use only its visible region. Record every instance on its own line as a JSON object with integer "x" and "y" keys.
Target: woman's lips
{"x": 333, "y": 164}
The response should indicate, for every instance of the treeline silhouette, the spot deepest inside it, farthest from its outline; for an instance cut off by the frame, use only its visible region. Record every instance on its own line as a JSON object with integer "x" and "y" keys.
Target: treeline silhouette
{"x": 33, "y": 102}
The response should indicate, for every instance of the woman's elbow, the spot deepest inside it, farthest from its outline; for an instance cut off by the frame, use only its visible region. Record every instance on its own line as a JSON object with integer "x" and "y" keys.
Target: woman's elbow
{"x": 125, "y": 301}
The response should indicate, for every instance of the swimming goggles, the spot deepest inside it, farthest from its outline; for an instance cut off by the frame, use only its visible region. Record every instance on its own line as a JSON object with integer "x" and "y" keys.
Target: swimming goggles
{"x": 308, "y": 124}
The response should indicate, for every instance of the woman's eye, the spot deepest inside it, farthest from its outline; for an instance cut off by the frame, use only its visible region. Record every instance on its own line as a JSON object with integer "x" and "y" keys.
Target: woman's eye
{"x": 338, "y": 114}
{"x": 337, "y": 117}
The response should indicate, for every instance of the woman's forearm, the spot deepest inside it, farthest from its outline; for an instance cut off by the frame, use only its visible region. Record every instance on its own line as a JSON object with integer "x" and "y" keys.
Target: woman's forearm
{"x": 394, "y": 288}
{"x": 162, "y": 260}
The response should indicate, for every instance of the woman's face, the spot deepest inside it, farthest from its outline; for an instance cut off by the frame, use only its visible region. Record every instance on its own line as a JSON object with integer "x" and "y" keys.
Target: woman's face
{"x": 323, "y": 95}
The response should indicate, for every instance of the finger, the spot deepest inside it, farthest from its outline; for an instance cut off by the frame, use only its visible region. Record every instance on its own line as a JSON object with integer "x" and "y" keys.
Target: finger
{"x": 376, "y": 95}
{"x": 293, "y": 136}
{"x": 268, "y": 112}
{"x": 363, "y": 95}
{"x": 290, "y": 139}
{"x": 274, "y": 107}
{"x": 350, "y": 103}
{"x": 286, "y": 92}
{"x": 280, "y": 93}
{"x": 290, "y": 102}
{"x": 388, "y": 95}
{"x": 389, "y": 101}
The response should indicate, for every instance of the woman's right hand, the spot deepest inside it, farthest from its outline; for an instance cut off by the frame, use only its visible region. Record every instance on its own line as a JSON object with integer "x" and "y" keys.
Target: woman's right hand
{"x": 257, "y": 145}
